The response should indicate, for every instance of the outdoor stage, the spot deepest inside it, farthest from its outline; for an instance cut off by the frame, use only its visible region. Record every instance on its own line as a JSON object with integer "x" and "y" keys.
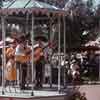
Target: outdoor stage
{"x": 42, "y": 94}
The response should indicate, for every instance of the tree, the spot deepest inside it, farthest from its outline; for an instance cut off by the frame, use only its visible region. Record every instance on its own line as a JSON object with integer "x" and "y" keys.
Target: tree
{"x": 1, "y": 3}
{"x": 82, "y": 18}
{"x": 90, "y": 3}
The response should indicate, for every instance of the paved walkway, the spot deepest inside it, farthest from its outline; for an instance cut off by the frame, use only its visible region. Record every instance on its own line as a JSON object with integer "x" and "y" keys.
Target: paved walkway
{"x": 92, "y": 91}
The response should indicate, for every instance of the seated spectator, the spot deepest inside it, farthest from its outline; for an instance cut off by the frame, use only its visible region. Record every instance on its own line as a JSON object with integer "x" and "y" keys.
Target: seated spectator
{"x": 75, "y": 71}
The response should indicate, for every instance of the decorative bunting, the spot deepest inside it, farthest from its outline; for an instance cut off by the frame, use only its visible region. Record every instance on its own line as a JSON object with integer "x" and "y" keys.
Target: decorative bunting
{"x": 43, "y": 11}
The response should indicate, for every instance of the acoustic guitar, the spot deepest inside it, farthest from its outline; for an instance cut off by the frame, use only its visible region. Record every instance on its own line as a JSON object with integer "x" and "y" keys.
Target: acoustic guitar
{"x": 38, "y": 54}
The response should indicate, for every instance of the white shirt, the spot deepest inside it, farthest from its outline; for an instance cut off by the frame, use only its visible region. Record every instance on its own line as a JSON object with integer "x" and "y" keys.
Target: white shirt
{"x": 19, "y": 50}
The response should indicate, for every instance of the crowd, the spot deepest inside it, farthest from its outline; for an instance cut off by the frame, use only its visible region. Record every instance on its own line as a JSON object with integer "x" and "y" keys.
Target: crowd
{"x": 80, "y": 67}
{"x": 84, "y": 67}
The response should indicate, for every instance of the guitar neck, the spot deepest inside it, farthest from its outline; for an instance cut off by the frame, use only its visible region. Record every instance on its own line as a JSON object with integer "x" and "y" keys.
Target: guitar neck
{"x": 49, "y": 45}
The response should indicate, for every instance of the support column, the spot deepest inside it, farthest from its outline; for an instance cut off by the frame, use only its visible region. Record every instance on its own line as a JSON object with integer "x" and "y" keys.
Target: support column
{"x": 59, "y": 54}
{"x": 32, "y": 40}
{"x": 64, "y": 22}
{"x": 3, "y": 52}
{"x": 50, "y": 58}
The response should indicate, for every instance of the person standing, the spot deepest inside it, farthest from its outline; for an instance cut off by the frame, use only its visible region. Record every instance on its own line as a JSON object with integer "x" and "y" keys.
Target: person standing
{"x": 21, "y": 61}
{"x": 39, "y": 64}
{"x": 10, "y": 69}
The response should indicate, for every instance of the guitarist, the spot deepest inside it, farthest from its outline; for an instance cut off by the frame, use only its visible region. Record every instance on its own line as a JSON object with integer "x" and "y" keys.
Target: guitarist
{"x": 41, "y": 57}
{"x": 21, "y": 61}
{"x": 39, "y": 64}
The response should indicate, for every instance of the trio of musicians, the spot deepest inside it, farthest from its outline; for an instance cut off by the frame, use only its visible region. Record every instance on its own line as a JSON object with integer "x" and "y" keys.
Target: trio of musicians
{"x": 18, "y": 59}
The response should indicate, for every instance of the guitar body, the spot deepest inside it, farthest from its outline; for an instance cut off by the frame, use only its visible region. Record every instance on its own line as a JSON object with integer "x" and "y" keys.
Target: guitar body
{"x": 25, "y": 57}
{"x": 38, "y": 54}
{"x": 22, "y": 58}
{"x": 10, "y": 52}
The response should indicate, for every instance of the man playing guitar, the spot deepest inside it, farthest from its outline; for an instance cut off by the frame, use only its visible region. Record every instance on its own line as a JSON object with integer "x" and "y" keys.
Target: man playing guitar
{"x": 39, "y": 63}
{"x": 23, "y": 55}
{"x": 21, "y": 59}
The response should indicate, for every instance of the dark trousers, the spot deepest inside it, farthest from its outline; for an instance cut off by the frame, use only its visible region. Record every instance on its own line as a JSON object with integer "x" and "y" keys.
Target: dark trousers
{"x": 22, "y": 67}
{"x": 24, "y": 74}
{"x": 39, "y": 74}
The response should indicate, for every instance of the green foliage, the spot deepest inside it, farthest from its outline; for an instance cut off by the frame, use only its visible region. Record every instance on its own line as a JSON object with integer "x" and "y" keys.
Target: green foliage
{"x": 1, "y": 3}
{"x": 82, "y": 18}
{"x": 90, "y": 3}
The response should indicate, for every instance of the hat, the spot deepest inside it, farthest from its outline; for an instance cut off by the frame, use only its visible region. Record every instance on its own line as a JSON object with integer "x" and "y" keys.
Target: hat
{"x": 41, "y": 37}
{"x": 10, "y": 40}
{"x": 36, "y": 46}
{"x": 74, "y": 61}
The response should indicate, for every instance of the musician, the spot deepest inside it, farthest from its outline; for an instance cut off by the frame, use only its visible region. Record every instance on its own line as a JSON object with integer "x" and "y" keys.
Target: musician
{"x": 10, "y": 51}
{"x": 39, "y": 65}
{"x": 21, "y": 62}
{"x": 10, "y": 69}
{"x": 10, "y": 72}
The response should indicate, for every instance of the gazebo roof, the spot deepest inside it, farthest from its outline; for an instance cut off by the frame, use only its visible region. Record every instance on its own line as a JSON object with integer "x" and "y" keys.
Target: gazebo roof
{"x": 27, "y": 4}
{"x": 16, "y": 6}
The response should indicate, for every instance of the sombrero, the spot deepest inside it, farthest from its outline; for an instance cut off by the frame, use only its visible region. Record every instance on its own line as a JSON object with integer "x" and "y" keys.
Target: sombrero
{"x": 41, "y": 37}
